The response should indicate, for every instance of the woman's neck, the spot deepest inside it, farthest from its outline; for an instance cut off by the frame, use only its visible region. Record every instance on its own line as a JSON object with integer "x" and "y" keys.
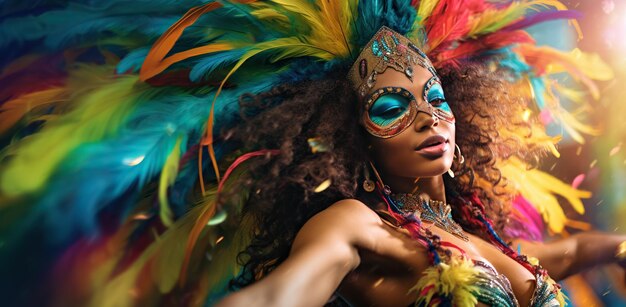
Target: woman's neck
{"x": 426, "y": 187}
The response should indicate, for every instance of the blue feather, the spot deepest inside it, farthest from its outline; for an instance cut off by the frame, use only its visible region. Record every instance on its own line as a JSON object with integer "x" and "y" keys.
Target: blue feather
{"x": 208, "y": 64}
{"x": 96, "y": 176}
{"x": 396, "y": 14}
{"x": 132, "y": 62}
{"x": 511, "y": 61}
{"x": 88, "y": 22}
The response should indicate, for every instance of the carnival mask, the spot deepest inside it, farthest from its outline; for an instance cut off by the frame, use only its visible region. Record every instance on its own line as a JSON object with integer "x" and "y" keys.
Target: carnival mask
{"x": 390, "y": 110}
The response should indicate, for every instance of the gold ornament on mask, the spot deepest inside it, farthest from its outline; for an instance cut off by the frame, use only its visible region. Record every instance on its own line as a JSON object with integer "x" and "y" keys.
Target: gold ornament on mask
{"x": 387, "y": 49}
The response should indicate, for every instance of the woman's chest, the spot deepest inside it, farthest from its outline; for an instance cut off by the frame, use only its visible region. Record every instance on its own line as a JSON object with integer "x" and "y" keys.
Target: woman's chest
{"x": 393, "y": 265}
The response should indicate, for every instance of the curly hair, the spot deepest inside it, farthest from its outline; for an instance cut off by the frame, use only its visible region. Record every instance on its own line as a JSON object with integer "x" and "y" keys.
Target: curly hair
{"x": 283, "y": 188}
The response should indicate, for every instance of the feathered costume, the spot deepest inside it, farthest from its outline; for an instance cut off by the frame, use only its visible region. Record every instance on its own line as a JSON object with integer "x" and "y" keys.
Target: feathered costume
{"x": 110, "y": 115}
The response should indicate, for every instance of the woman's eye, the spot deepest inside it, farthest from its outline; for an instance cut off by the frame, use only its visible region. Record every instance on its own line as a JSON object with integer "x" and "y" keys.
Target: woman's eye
{"x": 392, "y": 112}
{"x": 437, "y": 102}
{"x": 441, "y": 104}
{"x": 388, "y": 108}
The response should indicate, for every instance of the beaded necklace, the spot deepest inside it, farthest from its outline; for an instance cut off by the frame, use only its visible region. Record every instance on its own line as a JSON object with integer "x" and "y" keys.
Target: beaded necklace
{"x": 433, "y": 211}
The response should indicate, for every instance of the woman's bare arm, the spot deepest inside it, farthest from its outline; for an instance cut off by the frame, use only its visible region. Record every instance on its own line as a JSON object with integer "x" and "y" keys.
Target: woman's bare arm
{"x": 323, "y": 253}
{"x": 568, "y": 256}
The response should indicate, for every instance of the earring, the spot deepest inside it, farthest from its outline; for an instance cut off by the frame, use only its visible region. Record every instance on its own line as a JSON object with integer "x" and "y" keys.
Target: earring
{"x": 368, "y": 184}
{"x": 460, "y": 157}
{"x": 386, "y": 188}
{"x": 450, "y": 173}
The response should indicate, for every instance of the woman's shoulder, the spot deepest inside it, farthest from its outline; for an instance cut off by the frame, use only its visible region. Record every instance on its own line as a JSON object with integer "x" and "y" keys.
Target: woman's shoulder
{"x": 350, "y": 212}
{"x": 348, "y": 220}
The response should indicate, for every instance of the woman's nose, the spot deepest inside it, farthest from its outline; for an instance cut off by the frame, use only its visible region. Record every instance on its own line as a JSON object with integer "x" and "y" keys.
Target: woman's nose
{"x": 425, "y": 121}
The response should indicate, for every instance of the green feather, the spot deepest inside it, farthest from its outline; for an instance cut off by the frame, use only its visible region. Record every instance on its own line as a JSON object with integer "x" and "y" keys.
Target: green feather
{"x": 168, "y": 176}
{"x": 98, "y": 113}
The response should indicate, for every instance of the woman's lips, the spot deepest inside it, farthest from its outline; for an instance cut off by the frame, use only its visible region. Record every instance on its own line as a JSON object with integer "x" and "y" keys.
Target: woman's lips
{"x": 433, "y": 147}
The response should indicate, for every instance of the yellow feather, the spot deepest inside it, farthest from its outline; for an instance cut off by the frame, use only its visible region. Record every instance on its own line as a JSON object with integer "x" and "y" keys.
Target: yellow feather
{"x": 13, "y": 110}
{"x": 456, "y": 279}
{"x": 121, "y": 291}
{"x": 591, "y": 65}
{"x": 491, "y": 20}
{"x": 88, "y": 119}
{"x": 582, "y": 66}
{"x": 269, "y": 14}
{"x": 325, "y": 21}
{"x": 571, "y": 94}
{"x": 170, "y": 251}
{"x": 541, "y": 189}
{"x": 168, "y": 176}
{"x": 426, "y": 8}
{"x": 165, "y": 256}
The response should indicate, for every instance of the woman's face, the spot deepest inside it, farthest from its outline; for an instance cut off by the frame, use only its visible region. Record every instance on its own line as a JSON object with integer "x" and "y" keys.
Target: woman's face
{"x": 411, "y": 127}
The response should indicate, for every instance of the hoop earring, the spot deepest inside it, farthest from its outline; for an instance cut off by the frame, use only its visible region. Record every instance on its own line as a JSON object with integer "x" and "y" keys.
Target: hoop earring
{"x": 450, "y": 173}
{"x": 458, "y": 157}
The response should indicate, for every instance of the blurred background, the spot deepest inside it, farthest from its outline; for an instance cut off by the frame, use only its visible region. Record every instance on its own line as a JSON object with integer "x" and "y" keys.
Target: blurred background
{"x": 598, "y": 165}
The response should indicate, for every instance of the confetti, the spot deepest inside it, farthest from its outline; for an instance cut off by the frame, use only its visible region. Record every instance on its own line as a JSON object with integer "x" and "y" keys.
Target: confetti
{"x": 526, "y": 115}
{"x": 579, "y": 150}
{"x": 546, "y": 117}
{"x": 317, "y": 145}
{"x": 593, "y": 163}
{"x": 615, "y": 150}
{"x": 141, "y": 217}
{"x": 219, "y": 239}
{"x": 378, "y": 282}
{"x": 323, "y": 186}
{"x": 133, "y": 161}
{"x": 578, "y": 180}
{"x": 219, "y": 218}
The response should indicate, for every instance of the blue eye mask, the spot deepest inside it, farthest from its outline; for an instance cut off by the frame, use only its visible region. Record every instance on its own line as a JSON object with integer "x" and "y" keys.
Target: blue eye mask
{"x": 390, "y": 110}
{"x": 433, "y": 93}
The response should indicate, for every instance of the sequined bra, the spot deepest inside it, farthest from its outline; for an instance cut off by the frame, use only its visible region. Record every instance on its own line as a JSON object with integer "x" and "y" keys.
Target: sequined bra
{"x": 495, "y": 289}
{"x": 467, "y": 282}
{"x": 459, "y": 281}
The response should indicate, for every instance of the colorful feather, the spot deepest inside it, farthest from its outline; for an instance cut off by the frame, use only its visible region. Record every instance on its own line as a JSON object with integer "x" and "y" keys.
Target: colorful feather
{"x": 90, "y": 122}
{"x": 168, "y": 176}
{"x": 115, "y": 126}
{"x": 455, "y": 281}
{"x": 539, "y": 189}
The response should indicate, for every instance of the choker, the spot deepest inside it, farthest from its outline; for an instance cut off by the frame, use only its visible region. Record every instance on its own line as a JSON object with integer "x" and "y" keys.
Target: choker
{"x": 433, "y": 211}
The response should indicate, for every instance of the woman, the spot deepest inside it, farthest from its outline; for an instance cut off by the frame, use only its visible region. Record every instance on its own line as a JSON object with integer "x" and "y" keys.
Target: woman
{"x": 367, "y": 258}
{"x": 329, "y": 177}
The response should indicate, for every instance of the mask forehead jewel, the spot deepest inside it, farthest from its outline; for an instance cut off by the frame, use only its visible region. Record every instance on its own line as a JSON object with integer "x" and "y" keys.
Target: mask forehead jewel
{"x": 386, "y": 49}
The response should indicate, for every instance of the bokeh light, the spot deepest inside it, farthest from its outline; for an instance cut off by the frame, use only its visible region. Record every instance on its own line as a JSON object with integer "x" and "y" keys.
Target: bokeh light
{"x": 599, "y": 165}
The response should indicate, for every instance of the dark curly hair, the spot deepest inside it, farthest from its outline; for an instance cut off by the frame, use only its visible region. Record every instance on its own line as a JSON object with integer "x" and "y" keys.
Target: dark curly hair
{"x": 283, "y": 187}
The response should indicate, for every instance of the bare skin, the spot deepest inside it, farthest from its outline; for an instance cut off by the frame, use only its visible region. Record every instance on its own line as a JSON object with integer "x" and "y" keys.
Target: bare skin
{"x": 349, "y": 249}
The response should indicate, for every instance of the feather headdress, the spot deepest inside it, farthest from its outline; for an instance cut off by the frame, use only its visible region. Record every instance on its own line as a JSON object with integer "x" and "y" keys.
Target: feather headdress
{"x": 105, "y": 103}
